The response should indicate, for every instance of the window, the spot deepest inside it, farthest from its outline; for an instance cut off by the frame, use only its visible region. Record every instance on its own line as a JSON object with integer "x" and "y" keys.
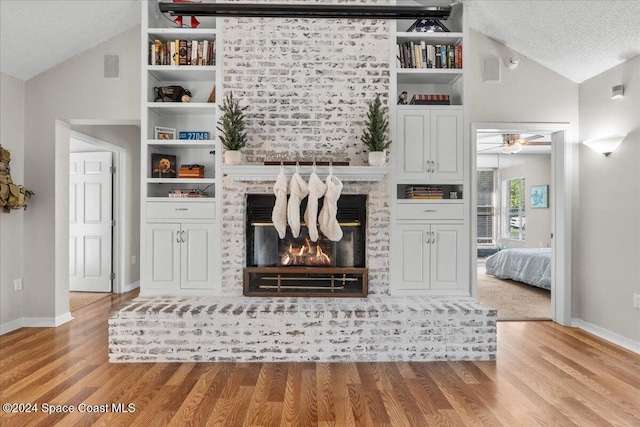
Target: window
{"x": 514, "y": 220}
{"x": 486, "y": 209}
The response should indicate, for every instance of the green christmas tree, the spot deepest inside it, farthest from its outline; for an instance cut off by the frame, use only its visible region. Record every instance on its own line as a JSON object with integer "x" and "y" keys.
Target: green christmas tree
{"x": 232, "y": 126}
{"x": 375, "y": 135}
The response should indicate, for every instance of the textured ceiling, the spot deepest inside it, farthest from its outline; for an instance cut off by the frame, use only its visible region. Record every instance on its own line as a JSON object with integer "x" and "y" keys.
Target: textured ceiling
{"x": 577, "y": 39}
{"x": 38, "y": 35}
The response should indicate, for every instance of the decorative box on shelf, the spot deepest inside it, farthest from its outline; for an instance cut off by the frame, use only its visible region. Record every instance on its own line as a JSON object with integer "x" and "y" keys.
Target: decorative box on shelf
{"x": 191, "y": 171}
{"x": 428, "y": 99}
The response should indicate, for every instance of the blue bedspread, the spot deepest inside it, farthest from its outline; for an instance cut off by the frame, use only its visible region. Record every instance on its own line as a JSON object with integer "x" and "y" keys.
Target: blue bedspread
{"x": 531, "y": 266}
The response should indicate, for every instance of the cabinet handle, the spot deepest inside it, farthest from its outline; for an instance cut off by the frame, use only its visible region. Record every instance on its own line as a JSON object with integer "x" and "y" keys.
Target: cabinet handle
{"x": 182, "y": 234}
{"x": 433, "y": 166}
{"x": 431, "y": 210}
{"x": 428, "y": 166}
{"x": 182, "y": 209}
{"x": 178, "y": 237}
{"x": 427, "y": 239}
{"x": 433, "y": 237}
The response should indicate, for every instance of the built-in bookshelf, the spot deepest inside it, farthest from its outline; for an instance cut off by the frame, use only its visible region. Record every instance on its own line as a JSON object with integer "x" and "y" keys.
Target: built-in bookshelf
{"x": 181, "y": 87}
{"x": 430, "y": 232}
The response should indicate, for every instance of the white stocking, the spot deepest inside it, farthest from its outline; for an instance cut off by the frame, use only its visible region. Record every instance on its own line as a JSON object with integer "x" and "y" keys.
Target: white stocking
{"x": 328, "y": 221}
{"x": 299, "y": 190}
{"x": 317, "y": 189}
{"x": 279, "y": 214}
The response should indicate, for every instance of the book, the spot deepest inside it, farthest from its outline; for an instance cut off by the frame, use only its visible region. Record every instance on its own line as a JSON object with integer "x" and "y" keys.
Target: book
{"x": 438, "y": 55}
{"x": 205, "y": 52}
{"x": 194, "y": 52}
{"x": 182, "y": 52}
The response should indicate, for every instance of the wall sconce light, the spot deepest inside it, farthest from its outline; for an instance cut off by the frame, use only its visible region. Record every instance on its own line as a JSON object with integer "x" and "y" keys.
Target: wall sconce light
{"x": 617, "y": 92}
{"x": 605, "y": 146}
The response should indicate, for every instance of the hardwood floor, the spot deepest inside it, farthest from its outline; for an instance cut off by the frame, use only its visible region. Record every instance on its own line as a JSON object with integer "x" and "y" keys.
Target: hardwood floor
{"x": 545, "y": 375}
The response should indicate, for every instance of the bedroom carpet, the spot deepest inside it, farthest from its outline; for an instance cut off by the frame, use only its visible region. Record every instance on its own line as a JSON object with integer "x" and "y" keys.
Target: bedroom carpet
{"x": 513, "y": 300}
{"x": 82, "y": 299}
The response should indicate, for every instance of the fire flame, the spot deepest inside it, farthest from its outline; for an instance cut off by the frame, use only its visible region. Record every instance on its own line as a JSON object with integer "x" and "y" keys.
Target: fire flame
{"x": 307, "y": 254}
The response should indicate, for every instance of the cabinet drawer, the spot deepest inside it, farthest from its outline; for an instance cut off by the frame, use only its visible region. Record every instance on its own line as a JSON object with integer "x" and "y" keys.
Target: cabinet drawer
{"x": 181, "y": 210}
{"x": 428, "y": 211}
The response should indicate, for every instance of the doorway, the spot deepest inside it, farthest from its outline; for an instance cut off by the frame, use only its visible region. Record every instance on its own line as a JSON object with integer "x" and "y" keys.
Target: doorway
{"x": 95, "y": 207}
{"x": 513, "y": 162}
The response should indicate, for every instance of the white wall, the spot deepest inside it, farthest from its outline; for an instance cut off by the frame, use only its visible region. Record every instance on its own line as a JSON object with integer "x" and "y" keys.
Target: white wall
{"x": 11, "y": 224}
{"x": 127, "y": 137}
{"x": 609, "y": 226}
{"x": 538, "y": 221}
{"x": 530, "y": 93}
{"x": 75, "y": 89}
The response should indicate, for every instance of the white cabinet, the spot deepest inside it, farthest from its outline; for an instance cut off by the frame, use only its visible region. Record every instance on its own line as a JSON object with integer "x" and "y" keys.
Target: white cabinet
{"x": 430, "y": 258}
{"x": 430, "y": 144}
{"x": 181, "y": 256}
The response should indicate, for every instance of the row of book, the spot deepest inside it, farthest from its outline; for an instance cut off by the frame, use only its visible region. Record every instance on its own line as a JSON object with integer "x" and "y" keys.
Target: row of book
{"x": 182, "y": 52}
{"x": 423, "y": 192}
{"x": 421, "y": 55}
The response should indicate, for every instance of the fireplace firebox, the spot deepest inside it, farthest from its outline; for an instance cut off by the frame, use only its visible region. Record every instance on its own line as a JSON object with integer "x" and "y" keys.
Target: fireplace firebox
{"x": 298, "y": 266}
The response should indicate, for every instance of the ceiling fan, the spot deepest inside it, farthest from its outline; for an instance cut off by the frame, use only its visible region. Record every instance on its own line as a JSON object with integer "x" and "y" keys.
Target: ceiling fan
{"x": 511, "y": 142}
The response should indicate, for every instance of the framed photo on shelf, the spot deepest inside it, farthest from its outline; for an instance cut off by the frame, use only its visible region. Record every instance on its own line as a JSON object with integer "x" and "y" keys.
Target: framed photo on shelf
{"x": 163, "y": 166}
{"x": 164, "y": 133}
{"x": 539, "y": 196}
{"x": 428, "y": 26}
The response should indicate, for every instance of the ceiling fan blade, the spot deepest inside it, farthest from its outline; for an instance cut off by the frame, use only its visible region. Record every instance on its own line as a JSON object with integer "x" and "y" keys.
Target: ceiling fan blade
{"x": 489, "y": 149}
{"x": 532, "y": 137}
{"x": 534, "y": 143}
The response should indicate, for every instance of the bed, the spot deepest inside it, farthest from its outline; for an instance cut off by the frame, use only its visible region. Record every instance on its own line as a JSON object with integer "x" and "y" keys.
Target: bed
{"x": 531, "y": 266}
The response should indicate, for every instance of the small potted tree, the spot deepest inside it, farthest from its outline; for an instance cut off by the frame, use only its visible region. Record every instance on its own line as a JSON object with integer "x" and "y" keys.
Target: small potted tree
{"x": 232, "y": 129}
{"x": 375, "y": 134}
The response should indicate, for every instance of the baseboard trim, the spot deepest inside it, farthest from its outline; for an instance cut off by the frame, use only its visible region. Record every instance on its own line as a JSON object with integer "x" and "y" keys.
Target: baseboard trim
{"x": 46, "y": 322}
{"x": 11, "y": 326}
{"x": 606, "y": 334}
{"x": 35, "y": 322}
{"x": 130, "y": 287}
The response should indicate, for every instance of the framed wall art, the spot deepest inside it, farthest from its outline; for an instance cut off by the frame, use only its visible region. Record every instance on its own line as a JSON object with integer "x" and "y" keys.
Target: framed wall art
{"x": 539, "y": 196}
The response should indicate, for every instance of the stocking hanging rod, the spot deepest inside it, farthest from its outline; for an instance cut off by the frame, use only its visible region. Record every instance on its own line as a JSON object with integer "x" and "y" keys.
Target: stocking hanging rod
{"x": 269, "y": 10}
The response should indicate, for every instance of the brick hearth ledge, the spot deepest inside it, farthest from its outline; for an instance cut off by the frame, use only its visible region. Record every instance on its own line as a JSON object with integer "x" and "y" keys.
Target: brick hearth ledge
{"x": 377, "y": 328}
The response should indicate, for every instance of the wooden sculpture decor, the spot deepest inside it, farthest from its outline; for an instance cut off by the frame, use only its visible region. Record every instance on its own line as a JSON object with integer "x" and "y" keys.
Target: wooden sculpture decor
{"x": 11, "y": 196}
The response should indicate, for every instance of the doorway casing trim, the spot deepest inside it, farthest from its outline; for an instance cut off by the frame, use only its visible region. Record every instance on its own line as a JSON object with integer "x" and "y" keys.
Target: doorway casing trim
{"x": 561, "y": 222}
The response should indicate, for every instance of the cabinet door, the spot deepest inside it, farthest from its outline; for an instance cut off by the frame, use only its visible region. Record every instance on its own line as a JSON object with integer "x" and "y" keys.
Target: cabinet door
{"x": 413, "y": 145}
{"x": 198, "y": 256}
{"x": 411, "y": 256}
{"x": 163, "y": 256}
{"x": 446, "y": 145}
{"x": 448, "y": 266}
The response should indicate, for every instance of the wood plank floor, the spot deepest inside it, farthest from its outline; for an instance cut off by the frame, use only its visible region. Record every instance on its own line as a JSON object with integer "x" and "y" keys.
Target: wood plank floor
{"x": 545, "y": 375}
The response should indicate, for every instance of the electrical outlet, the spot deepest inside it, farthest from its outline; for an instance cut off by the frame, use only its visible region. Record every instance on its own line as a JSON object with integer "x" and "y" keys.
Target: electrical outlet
{"x": 134, "y": 259}
{"x": 17, "y": 284}
{"x": 636, "y": 300}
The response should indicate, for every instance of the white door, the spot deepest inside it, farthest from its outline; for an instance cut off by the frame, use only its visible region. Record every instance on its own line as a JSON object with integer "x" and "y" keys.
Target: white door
{"x": 197, "y": 256}
{"x": 446, "y": 145}
{"x": 163, "y": 256}
{"x": 413, "y": 144}
{"x": 447, "y": 267}
{"x": 90, "y": 225}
